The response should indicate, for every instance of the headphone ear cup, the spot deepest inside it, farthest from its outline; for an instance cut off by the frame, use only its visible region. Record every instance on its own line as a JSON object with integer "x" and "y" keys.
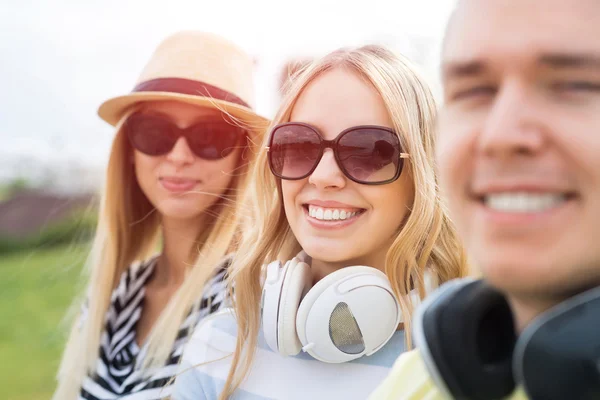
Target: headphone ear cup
{"x": 466, "y": 335}
{"x": 556, "y": 356}
{"x": 296, "y": 283}
{"x": 335, "y": 321}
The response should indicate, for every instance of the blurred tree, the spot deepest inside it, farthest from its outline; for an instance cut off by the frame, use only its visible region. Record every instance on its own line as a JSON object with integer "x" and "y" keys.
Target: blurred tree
{"x": 14, "y": 186}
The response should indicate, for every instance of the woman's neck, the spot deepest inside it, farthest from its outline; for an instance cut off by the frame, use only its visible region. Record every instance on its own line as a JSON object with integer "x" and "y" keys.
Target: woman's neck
{"x": 321, "y": 268}
{"x": 178, "y": 253}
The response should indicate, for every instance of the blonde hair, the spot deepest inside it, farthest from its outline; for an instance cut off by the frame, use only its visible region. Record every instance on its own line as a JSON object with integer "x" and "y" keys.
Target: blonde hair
{"x": 426, "y": 240}
{"x": 129, "y": 230}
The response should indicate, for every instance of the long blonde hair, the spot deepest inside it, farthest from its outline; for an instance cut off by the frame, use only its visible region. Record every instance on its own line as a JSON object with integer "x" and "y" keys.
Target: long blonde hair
{"x": 129, "y": 230}
{"x": 427, "y": 238}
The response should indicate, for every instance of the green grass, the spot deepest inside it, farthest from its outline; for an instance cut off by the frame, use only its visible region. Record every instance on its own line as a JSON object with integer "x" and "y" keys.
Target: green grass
{"x": 4, "y": 193}
{"x": 36, "y": 289}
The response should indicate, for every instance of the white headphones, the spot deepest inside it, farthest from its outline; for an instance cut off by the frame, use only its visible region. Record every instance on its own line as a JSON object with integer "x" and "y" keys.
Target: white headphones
{"x": 350, "y": 313}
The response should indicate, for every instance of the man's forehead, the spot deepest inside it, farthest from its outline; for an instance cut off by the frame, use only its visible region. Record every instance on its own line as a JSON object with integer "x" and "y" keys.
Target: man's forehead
{"x": 515, "y": 29}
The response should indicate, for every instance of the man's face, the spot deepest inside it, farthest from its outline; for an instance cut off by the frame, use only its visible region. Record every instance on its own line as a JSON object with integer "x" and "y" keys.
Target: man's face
{"x": 519, "y": 145}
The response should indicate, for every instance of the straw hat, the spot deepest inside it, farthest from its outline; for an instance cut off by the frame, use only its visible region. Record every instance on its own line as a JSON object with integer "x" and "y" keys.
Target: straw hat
{"x": 196, "y": 68}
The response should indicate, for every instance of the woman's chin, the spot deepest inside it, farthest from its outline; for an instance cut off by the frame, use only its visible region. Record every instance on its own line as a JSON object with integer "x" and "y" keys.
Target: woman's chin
{"x": 180, "y": 212}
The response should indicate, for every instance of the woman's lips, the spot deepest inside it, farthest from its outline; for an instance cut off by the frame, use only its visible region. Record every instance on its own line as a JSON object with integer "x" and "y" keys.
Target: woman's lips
{"x": 178, "y": 185}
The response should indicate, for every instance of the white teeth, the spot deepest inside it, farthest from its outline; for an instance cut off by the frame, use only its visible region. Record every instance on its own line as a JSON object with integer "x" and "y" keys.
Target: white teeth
{"x": 523, "y": 202}
{"x": 319, "y": 213}
{"x": 330, "y": 214}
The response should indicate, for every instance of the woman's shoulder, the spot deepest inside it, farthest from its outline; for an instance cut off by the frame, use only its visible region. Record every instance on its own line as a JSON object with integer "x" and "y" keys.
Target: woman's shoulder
{"x": 216, "y": 292}
{"x": 213, "y": 338}
{"x": 208, "y": 354}
{"x": 217, "y": 331}
{"x": 215, "y": 295}
{"x": 220, "y": 275}
{"x": 206, "y": 357}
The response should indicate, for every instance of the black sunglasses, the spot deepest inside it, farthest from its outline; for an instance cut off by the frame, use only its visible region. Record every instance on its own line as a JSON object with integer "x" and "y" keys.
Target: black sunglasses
{"x": 155, "y": 135}
{"x": 366, "y": 154}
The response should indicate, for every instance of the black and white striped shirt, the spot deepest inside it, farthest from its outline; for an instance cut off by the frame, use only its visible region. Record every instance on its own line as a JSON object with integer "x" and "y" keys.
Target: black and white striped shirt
{"x": 118, "y": 374}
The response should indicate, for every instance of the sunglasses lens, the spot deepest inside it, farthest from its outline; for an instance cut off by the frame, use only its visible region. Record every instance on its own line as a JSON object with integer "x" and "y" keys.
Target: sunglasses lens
{"x": 370, "y": 155}
{"x": 155, "y": 135}
{"x": 151, "y": 135}
{"x": 294, "y": 151}
{"x": 212, "y": 140}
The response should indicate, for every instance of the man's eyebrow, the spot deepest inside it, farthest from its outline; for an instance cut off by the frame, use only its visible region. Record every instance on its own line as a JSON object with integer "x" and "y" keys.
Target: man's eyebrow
{"x": 570, "y": 60}
{"x": 462, "y": 69}
{"x": 472, "y": 68}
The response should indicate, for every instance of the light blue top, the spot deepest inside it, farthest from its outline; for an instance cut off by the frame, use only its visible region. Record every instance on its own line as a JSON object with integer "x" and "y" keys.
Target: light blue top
{"x": 273, "y": 376}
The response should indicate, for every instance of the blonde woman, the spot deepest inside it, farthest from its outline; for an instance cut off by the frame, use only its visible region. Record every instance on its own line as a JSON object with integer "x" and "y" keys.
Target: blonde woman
{"x": 346, "y": 199}
{"x": 177, "y": 163}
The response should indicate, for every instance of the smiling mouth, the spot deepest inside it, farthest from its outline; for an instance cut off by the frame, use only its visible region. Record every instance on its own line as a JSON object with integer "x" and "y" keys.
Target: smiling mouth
{"x": 333, "y": 214}
{"x": 524, "y": 202}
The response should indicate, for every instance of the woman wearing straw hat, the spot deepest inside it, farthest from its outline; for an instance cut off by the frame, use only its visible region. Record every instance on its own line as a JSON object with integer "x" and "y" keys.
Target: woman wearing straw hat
{"x": 177, "y": 163}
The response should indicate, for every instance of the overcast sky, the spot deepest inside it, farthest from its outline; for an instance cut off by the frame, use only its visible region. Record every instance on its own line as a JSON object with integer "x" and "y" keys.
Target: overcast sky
{"x": 62, "y": 58}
